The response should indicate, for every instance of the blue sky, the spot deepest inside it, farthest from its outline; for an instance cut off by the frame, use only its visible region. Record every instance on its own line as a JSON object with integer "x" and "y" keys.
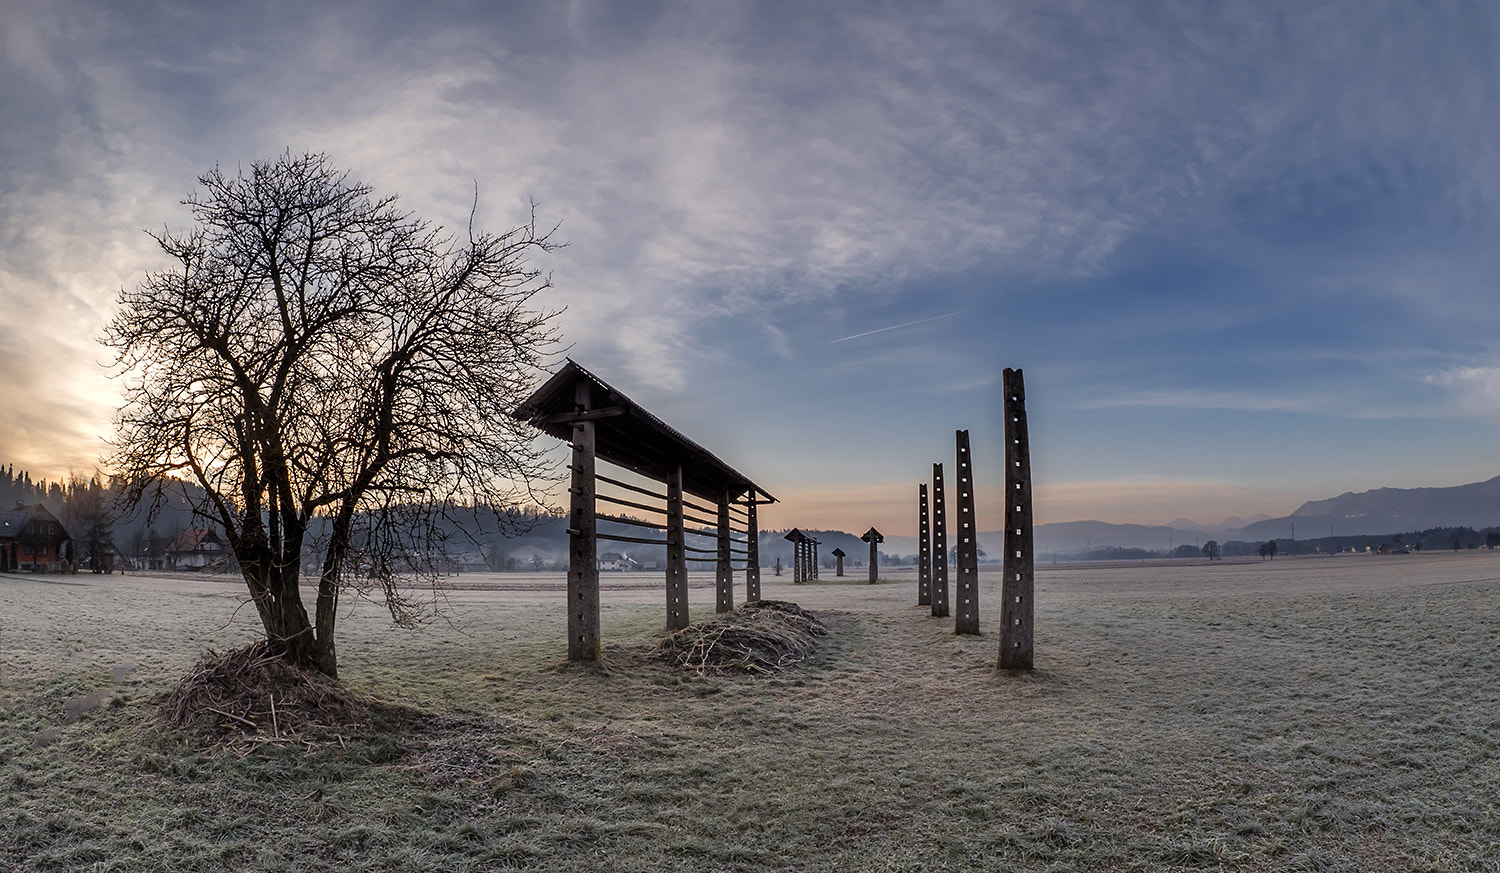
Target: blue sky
{"x": 1244, "y": 252}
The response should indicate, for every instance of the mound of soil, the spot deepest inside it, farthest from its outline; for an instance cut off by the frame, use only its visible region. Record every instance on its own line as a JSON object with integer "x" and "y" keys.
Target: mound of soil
{"x": 253, "y": 694}
{"x": 761, "y": 637}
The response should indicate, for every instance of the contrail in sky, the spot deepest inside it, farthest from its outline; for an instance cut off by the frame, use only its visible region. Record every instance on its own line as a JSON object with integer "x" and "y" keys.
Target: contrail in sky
{"x": 911, "y": 323}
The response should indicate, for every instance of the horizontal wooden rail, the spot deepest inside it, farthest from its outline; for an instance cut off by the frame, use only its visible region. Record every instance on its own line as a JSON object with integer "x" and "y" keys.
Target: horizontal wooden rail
{"x": 620, "y": 539}
{"x": 620, "y": 519}
{"x": 620, "y": 502}
{"x": 626, "y": 485}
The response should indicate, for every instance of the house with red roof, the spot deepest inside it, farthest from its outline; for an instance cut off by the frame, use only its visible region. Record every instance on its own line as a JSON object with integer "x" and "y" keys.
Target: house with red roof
{"x": 31, "y": 540}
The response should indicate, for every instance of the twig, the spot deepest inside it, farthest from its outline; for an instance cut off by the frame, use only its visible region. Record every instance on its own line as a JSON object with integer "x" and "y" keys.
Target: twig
{"x": 233, "y": 716}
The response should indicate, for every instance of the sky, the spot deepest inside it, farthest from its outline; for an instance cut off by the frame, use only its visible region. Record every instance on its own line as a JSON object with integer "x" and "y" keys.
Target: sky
{"x": 1244, "y": 253}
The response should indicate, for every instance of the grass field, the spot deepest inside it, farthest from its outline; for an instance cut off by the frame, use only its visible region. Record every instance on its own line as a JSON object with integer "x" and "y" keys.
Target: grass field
{"x": 1312, "y": 714}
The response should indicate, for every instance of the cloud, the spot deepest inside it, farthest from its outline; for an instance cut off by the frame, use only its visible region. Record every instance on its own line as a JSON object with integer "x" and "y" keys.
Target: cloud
{"x": 1476, "y": 389}
{"x": 764, "y": 168}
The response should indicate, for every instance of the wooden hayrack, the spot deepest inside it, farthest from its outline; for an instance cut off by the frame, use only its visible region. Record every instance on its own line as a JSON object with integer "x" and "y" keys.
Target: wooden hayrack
{"x": 602, "y": 424}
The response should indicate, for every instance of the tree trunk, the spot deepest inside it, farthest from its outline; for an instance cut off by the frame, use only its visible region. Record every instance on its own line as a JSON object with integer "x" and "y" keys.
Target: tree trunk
{"x": 273, "y": 583}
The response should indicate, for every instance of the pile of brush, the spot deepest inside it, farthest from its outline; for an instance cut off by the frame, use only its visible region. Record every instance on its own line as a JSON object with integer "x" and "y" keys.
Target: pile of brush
{"x": 251, "y": 696}
{"x": 761, "y": 637}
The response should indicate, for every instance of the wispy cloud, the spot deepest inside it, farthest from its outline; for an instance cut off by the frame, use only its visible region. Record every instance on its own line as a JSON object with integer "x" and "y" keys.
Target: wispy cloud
{"x": 910, "y": 324}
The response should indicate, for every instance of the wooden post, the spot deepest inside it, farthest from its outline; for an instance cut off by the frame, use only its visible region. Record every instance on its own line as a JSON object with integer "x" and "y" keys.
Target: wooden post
{"x": 924, "y": 548}
{"x": 815, "y": 544}
{"x": 1017, "y": 589}
{"x": 966, "y": 621}
{"x": 838, "y": 559}
{"x": 752, "y": 552}
{"x": 677, "y": 584}
{"x": 874, "y": 538}
{"x": 939, "y": 546}
{"x": 583, "y": 542}
{"x": 723, "y": 570}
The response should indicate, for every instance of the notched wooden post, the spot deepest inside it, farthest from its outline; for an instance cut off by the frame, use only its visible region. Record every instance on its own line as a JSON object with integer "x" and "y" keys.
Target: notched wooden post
{"x": 723, "y": 570}
{"x": 924, "y": 548}
{"x": 874, "y": 538}
{"x": 752, "y": 552}
{"x": 939, "y": 545}
{"x": 966, "y": 621}
{"x": 583, "y": 543}
{"x": 677, "y": 585}
{"x": 1018, "y": 586}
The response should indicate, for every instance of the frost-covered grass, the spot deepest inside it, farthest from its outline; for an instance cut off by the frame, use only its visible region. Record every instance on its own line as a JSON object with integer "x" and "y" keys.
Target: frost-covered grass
{"x": 1317, "y": 714}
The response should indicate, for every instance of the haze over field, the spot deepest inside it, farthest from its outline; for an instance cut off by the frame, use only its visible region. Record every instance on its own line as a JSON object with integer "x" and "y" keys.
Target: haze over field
{"x": 1244, "y": 255}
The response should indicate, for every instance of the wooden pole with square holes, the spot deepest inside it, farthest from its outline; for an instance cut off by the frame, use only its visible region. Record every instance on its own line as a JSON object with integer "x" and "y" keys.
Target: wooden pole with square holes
{"x": 939, "y": 545}
{"x": 966, "y": 591}
{"x": 1018, "y": 586}
{"x": 924, "y": 548}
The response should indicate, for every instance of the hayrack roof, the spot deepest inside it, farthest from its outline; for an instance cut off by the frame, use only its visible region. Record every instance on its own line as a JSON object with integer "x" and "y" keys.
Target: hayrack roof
{"x": 628, "y": 436}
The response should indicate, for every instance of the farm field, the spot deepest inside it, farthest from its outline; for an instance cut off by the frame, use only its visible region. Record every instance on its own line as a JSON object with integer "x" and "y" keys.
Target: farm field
{"x": 1299, "y": 714}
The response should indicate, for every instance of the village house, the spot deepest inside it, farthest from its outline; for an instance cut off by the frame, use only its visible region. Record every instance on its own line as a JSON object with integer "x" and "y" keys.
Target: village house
{"x": 617, "y": 561}
{"x": 31, "y": 539}
{"x": 195, "y": 549}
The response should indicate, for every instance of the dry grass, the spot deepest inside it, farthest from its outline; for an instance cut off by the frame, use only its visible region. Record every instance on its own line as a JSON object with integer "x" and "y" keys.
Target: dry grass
{"x": 763, "y": 637}
{"x": 1299, "y": 715}
{"x": 250, "y": 697}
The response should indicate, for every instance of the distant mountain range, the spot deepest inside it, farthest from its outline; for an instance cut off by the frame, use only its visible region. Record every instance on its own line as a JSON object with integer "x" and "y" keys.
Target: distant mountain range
{"x": 1377, "y": 512}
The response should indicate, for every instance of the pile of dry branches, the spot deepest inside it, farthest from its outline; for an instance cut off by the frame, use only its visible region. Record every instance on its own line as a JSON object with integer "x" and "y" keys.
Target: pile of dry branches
{"x": 761, "y": 637}
{"x": 251, "y": 696}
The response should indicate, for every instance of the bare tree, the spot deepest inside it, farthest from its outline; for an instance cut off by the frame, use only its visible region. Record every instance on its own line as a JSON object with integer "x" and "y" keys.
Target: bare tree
{"x": 335, "y": 375}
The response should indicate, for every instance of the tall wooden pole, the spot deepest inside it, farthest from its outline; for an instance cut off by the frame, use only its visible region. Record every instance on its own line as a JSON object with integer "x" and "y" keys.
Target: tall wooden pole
{"x": 939, "y": 546}
{"x": 752, "y": 552}
{"x": 966, "y": 621}
{"x": 924, "y": 548}
{"x": 1017, "y": 589}
{"x": 723, "y": 570}
{"x": 677, "y": 584}
{"x": 583, "y": 542}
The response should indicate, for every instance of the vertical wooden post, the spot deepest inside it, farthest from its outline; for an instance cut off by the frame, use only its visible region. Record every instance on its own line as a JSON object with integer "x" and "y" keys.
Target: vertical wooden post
{"x": 924, "y": 548}
{"x": 966, "y": 621}
{"x": 1018, "y": 587}
{"x": 838, "y": 562}
{"x": 583, "y": 542}
{"x": 874, "y": 538}
{"x": 813, "y": 547}
{"x": 939, "y": 546}
{"x": 677, "y": 585}
{"x": 752, "y": 552}
{"x": 723, "y": 570}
